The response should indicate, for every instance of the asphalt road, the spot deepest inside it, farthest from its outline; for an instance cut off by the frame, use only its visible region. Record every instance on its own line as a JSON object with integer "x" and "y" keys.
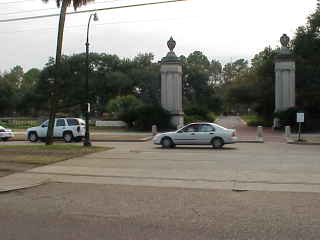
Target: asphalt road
{"x": 141, "y": 191}
{"x": 91, "y": 211}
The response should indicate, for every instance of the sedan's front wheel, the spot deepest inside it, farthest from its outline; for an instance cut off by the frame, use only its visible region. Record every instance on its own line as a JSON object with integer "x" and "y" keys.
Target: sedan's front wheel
{"x": 167, "y": 143}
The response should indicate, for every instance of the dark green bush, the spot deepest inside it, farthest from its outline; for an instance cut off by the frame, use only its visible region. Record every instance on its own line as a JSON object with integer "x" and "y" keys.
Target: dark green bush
{"x": 289, "y": 118}
{"x": 125, "y": 108}
{"x": 148, "y": 115}
{"x": 197, "y": 113}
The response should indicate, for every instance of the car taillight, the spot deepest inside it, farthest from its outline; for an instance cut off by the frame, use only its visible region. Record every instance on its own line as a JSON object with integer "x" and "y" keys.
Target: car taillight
{"x": 78, "y": 128}
{"x": 233, "y": 134}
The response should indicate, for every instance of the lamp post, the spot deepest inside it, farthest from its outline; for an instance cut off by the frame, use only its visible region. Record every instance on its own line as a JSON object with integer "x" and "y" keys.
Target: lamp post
{"x": 87, "y": 141}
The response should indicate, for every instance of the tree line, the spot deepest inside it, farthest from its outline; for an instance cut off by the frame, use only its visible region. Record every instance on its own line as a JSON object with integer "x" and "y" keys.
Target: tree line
{"x": 28, "y": 93}
{"x": 208, "y": 86}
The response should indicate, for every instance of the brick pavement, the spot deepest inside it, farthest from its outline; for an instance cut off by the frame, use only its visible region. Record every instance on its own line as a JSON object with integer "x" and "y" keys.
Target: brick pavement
{"x": 246, "y": 133}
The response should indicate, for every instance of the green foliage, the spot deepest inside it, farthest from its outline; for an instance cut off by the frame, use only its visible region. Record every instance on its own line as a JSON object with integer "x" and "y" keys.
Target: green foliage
{"x": 149, "y": 115}
{"x": 289, "y": 118}
{"x": 200, "y": 77}
{"x": 196, "y": 113}
{"x": 125, "y": 108}
{"x": 254, "y": 121}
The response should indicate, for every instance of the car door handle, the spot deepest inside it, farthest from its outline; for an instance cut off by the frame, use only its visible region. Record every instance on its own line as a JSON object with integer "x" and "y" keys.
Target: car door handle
{"x": 211, "y": 133}
{"x": 192, "y": 134}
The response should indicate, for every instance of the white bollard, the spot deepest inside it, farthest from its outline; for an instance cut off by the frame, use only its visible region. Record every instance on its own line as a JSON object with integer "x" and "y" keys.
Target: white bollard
{"x": 288, "y": 131}
{"x": 154, "y": 130}
{"x": 260, "y": 133}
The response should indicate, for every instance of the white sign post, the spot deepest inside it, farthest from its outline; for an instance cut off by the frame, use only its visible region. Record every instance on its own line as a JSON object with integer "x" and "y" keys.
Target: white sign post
{"x": 300, "y": 120}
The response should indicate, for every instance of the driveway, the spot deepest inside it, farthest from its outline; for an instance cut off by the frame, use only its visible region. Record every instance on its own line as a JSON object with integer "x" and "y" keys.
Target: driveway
{"x": 247, "y": 133}
{"x": 270, "y": 166}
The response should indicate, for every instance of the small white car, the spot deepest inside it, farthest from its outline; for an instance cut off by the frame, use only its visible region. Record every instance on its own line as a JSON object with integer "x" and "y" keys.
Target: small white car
{"x": 5, "y": 133}
{"x": 203, "y": 133}
{"x": 69, "y": 129}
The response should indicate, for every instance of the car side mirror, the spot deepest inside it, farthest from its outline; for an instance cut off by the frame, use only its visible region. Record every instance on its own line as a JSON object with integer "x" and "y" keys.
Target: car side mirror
{"x": 180, "y": 131}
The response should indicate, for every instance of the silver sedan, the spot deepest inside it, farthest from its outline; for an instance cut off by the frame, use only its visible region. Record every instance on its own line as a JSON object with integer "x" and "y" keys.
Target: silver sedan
{"x": 197, "y": 134}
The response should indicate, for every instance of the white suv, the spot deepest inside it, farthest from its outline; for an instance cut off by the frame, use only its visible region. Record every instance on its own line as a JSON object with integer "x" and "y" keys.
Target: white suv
{"x": 70, "y": 129}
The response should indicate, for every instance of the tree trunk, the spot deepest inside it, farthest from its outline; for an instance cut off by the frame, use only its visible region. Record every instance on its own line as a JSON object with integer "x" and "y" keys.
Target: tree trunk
{"x": 53, "y": 97}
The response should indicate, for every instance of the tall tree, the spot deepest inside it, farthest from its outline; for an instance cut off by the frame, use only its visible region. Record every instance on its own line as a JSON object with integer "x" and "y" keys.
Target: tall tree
{"x": 64, "y": 5}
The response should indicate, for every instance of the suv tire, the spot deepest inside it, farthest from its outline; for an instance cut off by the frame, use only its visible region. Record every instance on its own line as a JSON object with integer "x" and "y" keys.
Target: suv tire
{"x": 33, "y": 137}
{"x": 68, "y": 137}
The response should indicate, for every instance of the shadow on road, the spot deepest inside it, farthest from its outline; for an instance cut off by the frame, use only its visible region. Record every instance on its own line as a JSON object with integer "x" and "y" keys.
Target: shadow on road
{"x": 197, "y": 148}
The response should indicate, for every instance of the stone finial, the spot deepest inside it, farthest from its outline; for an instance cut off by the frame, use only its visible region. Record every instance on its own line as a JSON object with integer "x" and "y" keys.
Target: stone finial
{"x": 284, "y": 40}
{"x": 171, "y": 57}
{"x": 284, "y": 50}
{"x": 171, "y": 44}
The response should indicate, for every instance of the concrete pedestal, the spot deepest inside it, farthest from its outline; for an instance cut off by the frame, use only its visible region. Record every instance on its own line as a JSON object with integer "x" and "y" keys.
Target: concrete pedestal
{"x": 171, "y": 85}
{"x": 285, "y": 84}
{"x": 171, "y": 91}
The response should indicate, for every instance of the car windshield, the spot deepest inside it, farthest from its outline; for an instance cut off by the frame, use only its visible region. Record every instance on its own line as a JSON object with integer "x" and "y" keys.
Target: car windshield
{"x": 45, "y": 124}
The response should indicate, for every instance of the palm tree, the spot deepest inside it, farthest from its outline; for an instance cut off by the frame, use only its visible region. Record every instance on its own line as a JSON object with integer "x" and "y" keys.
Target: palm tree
{"x": 64, "y": 5}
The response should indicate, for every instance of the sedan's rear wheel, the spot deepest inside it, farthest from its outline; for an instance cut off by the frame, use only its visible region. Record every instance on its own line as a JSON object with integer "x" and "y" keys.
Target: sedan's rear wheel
{"x": 33, "y": 137}
{"x": 67, "y": 137}
{"x": 167, "y": 143}
{"x": 217, "y": 143}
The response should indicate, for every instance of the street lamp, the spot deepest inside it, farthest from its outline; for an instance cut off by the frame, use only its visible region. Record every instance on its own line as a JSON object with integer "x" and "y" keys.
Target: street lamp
{"x": 87, "y": 141}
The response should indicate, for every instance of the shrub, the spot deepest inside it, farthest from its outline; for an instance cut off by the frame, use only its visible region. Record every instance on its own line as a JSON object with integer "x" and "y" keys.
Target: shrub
{"x": 197, "y": 113}
{"x": 289, "y": 118}
{"x": 254, "y": 121}
{"x": 196, "y": 110}
{"x": 125, "y": 108}
{"x": 148, "y": 115}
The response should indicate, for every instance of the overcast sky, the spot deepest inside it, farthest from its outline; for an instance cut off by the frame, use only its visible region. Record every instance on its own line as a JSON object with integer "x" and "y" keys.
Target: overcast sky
{"x": 224, "y": 30}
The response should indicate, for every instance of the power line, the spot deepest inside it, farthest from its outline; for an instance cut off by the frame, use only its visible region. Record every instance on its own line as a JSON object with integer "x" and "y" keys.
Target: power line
{"x": 14, "y": 2}
{"x": 88, "y": 11}
{"x": 102, "y": 24}
{"x": 46, "y": 9}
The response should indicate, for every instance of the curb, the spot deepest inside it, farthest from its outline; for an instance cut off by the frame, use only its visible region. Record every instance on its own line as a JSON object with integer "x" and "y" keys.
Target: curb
{"x": 302, "y": 143}
{"x": 250, "y": 141}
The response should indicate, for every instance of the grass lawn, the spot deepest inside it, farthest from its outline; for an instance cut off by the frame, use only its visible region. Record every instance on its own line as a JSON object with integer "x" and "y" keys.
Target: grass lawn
{"x": 42, "y": 154}
{"x": 309, "y": 139}
{"x": 254, "y": 120}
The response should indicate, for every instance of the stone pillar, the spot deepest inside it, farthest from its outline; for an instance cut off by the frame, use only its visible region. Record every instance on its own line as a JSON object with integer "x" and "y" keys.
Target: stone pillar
{"x": 285, "y": 69}
{"x": 171, "y": 85}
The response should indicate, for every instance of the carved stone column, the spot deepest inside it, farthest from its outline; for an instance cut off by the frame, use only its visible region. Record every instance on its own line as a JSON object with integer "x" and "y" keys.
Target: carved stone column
{"x": 171, "y": 85}
{"x": 285, "y": 86}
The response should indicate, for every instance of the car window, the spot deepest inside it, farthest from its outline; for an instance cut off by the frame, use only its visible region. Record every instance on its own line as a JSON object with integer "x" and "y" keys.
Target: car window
{"x": 72, "y": 122}
{"x": 206, "y": 128}
{"x": 60, "y": 123}
{"x": 45, "y": 124}
{"x": 191, "y": 128}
